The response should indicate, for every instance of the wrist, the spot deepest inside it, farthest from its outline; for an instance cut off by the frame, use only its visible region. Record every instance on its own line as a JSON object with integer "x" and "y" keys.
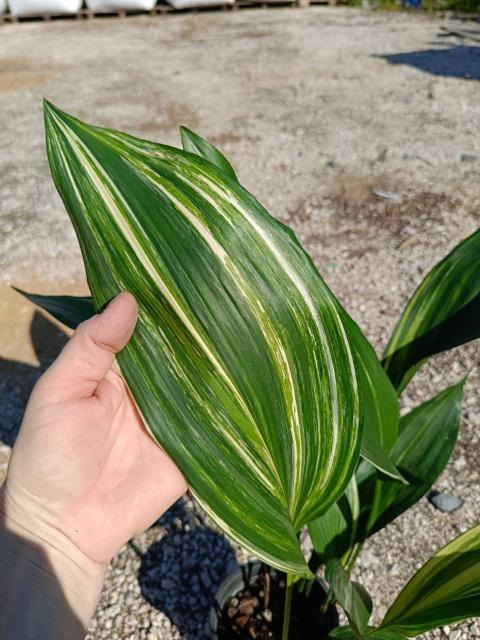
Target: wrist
{"x": 29, "y": 539}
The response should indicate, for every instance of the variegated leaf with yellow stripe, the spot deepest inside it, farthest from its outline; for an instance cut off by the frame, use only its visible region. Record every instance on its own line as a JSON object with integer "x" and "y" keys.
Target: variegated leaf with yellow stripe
{"x": 239, "y": 364}
{"x": 380, "y": 403}
{"x": 444, "y": 590}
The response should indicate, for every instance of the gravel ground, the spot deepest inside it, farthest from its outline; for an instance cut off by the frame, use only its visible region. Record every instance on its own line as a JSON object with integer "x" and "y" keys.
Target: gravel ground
{"x": 315, "y": 108}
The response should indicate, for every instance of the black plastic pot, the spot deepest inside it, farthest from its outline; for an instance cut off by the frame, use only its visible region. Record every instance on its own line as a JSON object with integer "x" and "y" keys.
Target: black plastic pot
{"x": 307, "y": 621}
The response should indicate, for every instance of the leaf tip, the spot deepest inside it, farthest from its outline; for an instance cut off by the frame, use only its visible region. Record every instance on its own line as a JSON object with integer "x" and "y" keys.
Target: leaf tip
{"x": 20, "y": 291}
{"x": 49, "y": 109}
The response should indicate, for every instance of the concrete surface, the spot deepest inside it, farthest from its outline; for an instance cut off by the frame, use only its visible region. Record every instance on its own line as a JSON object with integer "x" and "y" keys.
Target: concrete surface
{"x": 314, "y": 108}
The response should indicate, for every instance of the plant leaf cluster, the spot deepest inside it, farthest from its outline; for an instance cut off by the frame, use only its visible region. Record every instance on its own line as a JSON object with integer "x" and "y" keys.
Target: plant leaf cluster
{"x": 254, "y": 378}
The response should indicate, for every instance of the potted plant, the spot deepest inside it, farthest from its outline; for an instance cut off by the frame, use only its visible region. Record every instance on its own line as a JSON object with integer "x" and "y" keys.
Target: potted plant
{"x": 253, "y": 377}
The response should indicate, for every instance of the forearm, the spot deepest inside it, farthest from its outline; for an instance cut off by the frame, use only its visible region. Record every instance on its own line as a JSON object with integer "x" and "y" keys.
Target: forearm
{"x": 33, "y": 605}
{"x": 46, "y": 592}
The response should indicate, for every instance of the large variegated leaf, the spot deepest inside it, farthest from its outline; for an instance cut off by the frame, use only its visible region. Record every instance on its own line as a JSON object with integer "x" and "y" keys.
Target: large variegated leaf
{"x": 444, "y": 590}
{"x": 380, "y": 403}
{"x": 442, "y": 314}
{"x": 239, "y": 364}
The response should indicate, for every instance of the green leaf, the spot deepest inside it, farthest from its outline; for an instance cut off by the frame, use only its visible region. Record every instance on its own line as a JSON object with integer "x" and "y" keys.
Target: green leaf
{"x": 366, "y": 477}
{"x": 445, "y": 590}
{"x": 427, "y": 437}
{"x": 239, "y": 363}
{"x": 347, "y": 633}
{"x": 352, "y": 600}
{"x": 333, "y": 533}
{"x": 193, "y": 143}
{"x": 71, "y": 310}
{"x": 380, "y": 402}
{"x": 374, "y": 453}
{"x": 364, "y": 596}
{"x": 442, "y": 314}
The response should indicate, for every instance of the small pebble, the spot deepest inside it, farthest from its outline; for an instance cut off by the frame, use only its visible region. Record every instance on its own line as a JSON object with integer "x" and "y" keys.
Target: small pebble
{"x": 267, "y": 614}
{"x": 387, "y": 195}
{"x": 113, "y": 611}
{"x": 445, "y": 502}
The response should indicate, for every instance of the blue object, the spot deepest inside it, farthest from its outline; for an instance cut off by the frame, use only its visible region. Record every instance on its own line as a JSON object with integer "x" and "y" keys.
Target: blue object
{"x": 415, "y": 4}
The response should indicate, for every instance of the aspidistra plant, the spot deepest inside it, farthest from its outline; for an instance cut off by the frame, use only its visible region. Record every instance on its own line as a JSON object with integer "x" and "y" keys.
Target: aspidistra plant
{"x": 244, "y": 366}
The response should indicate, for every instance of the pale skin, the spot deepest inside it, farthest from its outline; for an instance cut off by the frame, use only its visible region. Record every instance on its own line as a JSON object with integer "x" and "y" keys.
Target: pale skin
{"x": 84, "y": 477}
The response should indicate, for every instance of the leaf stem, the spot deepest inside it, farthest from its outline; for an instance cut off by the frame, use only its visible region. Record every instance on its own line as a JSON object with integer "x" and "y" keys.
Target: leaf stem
{"x": 309, "y": 587}
{"x": 353, "y": 558}
{"x": 288, "y": 606}
{"x": 330, "y": 599}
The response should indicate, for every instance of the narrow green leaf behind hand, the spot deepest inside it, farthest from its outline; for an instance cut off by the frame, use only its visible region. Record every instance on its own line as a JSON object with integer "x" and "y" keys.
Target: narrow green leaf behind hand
{"x": 71, "y": 310}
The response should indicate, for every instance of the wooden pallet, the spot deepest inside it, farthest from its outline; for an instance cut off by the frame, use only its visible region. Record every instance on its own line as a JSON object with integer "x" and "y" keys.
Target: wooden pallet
{"x": 263, "y": 4}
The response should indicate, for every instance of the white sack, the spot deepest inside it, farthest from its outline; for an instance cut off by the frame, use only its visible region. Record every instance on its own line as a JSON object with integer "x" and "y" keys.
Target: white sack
{"x": 106, "y": 6}
{"x": 190, "y": 4}
{"x": 43, "y": 7}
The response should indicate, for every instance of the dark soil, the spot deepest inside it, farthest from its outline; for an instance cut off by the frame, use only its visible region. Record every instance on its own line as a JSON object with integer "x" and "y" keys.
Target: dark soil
{"x": 256, "y": 611}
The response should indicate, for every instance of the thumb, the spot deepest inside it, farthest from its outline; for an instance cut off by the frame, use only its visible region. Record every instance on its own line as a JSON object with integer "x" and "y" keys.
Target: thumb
{"x": 90, "y": 352}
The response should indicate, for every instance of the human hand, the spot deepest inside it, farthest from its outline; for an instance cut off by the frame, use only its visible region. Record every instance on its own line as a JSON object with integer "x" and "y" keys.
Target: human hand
{"x": 84, "y": 475}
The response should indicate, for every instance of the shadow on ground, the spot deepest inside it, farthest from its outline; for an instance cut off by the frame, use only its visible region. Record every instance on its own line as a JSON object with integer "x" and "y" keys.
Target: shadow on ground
{"x": 180, "y": 574}
{"x": 455, "y": 62}
{"x": 18, "y": 378}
